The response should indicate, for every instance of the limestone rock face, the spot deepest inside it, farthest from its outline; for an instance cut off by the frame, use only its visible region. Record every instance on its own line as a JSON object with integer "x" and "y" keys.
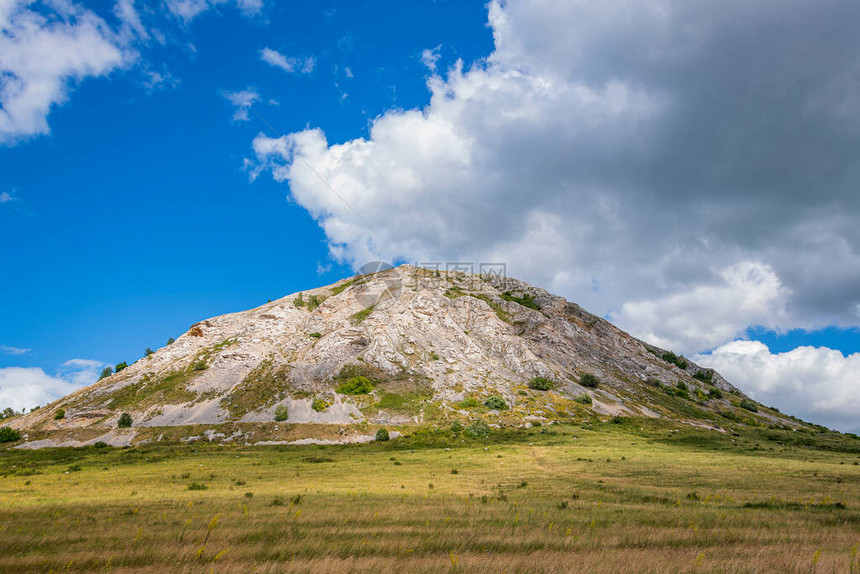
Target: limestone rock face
{"x": 426, "y": 341}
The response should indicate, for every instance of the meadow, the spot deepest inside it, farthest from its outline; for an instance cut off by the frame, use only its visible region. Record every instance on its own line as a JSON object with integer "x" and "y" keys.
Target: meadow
{"x": 636, "y": 496}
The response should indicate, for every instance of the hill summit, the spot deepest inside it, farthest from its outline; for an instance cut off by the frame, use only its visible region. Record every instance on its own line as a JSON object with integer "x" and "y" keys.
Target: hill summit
{"x": 403, "y": 346}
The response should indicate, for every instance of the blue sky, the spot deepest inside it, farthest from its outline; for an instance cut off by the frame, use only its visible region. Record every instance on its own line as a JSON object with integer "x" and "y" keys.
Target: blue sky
{"x": 698, "y": 191}
{"x": 134, "y": 217}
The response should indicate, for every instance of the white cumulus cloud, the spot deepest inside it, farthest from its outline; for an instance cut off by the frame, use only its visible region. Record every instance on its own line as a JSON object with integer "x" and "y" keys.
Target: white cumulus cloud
{"x": 708, "y": 315}
{"x": 814, "y": 383}
{"x": 43, "y": 53}
{"x": 25, "y": 387}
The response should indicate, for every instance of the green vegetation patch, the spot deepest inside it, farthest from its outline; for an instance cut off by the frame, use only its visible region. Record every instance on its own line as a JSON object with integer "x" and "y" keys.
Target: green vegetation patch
{"x": 540, "y": 384}
{"x": 527, "y": 300}
{"x": 169, "y": 389}
{"x": 359, "y": 385}
{"x": 749, "y": 405}
{"x": 495, "y": 306}
{"x": 496, "y": 403}
{"x": 338, "y": 289}
{"x": 261, "y": 388}
{"x": 320, "y": 405}
{"x": 357, "y": 318}
{"x": 8, "y": 434}
{"x": 674, "y": 359}
{"x": 589, "y": 380}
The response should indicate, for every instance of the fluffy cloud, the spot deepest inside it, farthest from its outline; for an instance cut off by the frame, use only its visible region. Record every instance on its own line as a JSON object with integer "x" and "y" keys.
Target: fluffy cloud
{"x": 430, "y": 57}
{"x": 689, "y": 168}
{"x": 43, "y": 53}
{"x": 13, "y": 350}
{"x": 288, "y": 64}
{"x": 26, "y": 387}
{"x": 187, "y": 10}
{"x": 816, "y": 384}
{"x": 6, "y": 197}
{"x": 242, "y": 102}
{"x": 710, "y": 314}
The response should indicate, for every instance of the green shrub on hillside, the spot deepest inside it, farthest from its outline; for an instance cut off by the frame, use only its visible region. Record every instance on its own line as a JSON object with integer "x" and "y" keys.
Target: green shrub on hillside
{"x": 120, "y": 366}
{"x": 59, "y": 414}
{"x": 359, "y": 385}
{"x": 319, "y": 405}
{"x": 106, "y": 372}
{"x": 540, "y": 384}
{"x": 477, "y": 429}
{"x": 583, "y": 399}
{"x": 124, "y": 421}
{"x": 589, "y": 380}
{"x": 382, "y": 435}
{"x": 469, "y": 403}
{"x": 281, "y": 414}
{"x": 715, "y": 394}
{"x": 527, "y": 300}
{"x": 749, "y": 405}
{"x": 674, "y": 359}
{"x": 8, "y": 434}
{"x": 496, "y": 403}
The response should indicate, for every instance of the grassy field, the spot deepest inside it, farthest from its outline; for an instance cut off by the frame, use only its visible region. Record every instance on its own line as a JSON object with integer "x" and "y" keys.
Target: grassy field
{"x": 631, "y": 497}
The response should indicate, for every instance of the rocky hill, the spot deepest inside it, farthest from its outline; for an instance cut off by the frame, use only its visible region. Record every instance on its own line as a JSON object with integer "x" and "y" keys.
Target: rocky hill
{"x": 404, "y": 346}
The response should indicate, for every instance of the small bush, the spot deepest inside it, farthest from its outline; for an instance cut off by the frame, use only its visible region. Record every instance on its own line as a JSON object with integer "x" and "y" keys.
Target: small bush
{"x": 527, "y": 300}
{"x": 106, "y": 372}
{"x": 496, "y": 403}
{"x": 315, "y": 335}
{"x": 434, "y": 357}
{"x": 59, "y": 414}
{"x": 715, "y": 394}
{"x": 540, "y": 384}
{"x": 683, "y": 386}
{"x": 382, "y": 435}
{"x": 197, "y": 486}
{"x": 584, "y": 399}
{"x": 199, "y": 366}
{"x": 704, "y": 376}
{"x": 617, "y": 420}
{"x": 281, "y": 414}
{"x": 148, "y": 352}
{"x": 469, "y": 403}
{"x": 74, "y": 468}
{"x": 359, "y": 385}
{"x": 729, "y": 415}
{"x": 120, "y": 366}
{"x": 124, "y": 421}
{"x": 170, "y": 341}
{"x": 319, "y": 405}
{"x": 8, "y": 434}
{"x": 589, "y": 380}
{"x": 478, "y": 429}
{"x": 456, "y": 427}
{"x": 749, "y": 405}
{"x": 100, "y": 444}
{"x": 674, "y": 359}
{"x": 298, "y": 302}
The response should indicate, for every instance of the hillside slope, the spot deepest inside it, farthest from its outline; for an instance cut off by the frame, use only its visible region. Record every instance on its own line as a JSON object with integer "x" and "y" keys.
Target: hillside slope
{"x": 433, "y": 346}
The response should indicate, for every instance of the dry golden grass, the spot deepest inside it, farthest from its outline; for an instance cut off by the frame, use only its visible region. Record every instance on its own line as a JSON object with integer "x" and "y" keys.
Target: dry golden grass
{"x": 610, "y": 500}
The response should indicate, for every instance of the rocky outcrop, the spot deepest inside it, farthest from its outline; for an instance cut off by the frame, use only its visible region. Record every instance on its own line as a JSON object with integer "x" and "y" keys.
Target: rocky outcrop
{"x": 426, "y": 341}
